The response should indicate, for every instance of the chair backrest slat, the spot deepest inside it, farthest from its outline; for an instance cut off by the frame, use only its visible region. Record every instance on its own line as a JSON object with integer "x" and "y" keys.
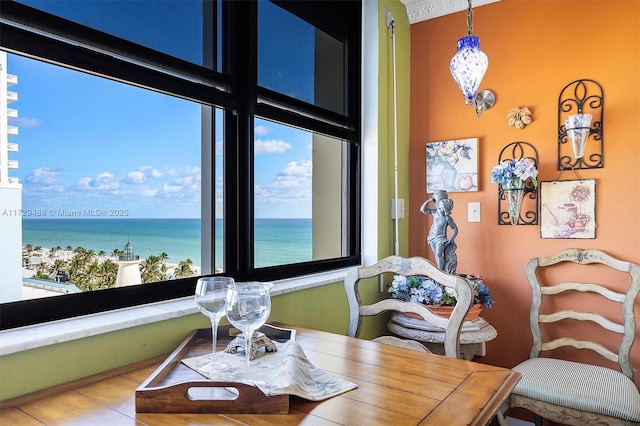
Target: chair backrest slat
{"x": 583, "y": 316}
{"x": 581, "y": 344}
{"x": 584, "y": 287}
{"x": 626, "y": 300}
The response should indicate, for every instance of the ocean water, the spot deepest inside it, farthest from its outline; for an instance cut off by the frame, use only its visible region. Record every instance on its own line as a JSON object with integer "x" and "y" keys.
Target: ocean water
{"x": 278, "y": 241}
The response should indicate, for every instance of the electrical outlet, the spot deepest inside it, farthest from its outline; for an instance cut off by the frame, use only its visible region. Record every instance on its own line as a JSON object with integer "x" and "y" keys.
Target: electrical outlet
{"x": 474, "y": 212}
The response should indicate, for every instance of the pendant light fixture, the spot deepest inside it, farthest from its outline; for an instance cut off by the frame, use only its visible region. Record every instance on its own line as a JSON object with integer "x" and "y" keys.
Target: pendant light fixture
{"x": 469, "y": 63}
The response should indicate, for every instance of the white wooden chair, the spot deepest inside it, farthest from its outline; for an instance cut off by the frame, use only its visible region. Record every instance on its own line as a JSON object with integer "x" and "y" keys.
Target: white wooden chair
{"x": 570, "y": 392}
{"x": 414, "y": 266}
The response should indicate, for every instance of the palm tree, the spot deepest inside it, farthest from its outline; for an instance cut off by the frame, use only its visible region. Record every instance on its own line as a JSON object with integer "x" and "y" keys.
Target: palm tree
{"x": 58, "y": 265}
{"x": 108, "y": 273}
{"x": 93, "y": 275}
{"x": 150, "y": 269}
{"x": 184, "y": 269}
{"x": 28, "y": 248}
{"x": 76, "y": 269}
{"x": 164, "y": 271}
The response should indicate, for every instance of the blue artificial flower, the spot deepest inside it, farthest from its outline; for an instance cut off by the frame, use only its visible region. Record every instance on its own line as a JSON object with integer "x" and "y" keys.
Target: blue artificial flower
{"x": 514, "y": 172}
{"x": 426, "y": 291}
{"x": 483, "y": 295}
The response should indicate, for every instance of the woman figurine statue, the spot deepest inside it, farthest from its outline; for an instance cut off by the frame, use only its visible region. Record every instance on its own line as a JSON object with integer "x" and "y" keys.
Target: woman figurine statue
{"x": 443, "y": 247}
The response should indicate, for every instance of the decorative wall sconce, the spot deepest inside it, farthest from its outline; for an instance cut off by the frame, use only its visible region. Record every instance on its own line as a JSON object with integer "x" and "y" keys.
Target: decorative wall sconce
{"x": 526, "y": 197}
{"x": 580, "y": 115}
{"x": 469, "y": 63}
{"x": 484, "y": 101}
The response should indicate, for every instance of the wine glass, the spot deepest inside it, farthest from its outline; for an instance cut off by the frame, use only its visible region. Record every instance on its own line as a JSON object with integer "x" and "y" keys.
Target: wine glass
{"x": 211, "y": 298}
{"x": 248, "y": 307}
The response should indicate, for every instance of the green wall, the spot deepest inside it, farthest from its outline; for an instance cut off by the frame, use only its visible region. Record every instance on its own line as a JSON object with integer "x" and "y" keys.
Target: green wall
{"x": 386, "y": 150}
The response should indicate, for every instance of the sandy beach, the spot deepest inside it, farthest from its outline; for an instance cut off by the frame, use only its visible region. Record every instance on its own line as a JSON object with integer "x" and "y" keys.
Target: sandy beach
{"x": 45, "y": 256}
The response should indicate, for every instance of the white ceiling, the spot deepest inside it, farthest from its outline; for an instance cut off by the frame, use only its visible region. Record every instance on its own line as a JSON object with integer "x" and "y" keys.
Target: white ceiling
{"x": 421, "y": 10}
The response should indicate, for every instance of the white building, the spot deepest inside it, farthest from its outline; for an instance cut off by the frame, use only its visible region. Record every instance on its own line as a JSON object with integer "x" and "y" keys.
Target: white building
{"x": 10, "y": 193}
{"x": 128, "y": 268}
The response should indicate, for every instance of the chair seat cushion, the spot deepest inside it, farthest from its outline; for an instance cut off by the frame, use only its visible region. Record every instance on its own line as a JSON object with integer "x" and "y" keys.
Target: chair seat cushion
{"x": 584, "y": 387}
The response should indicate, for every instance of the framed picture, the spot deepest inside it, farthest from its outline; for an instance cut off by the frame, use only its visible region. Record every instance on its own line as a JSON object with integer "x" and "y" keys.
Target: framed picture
{"x": 452, "y": 165}
{"x": 568, "y": 209}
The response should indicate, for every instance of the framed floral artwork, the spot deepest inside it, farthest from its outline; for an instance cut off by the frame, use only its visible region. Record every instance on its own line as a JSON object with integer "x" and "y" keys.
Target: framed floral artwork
{"x": 568, "y": 209}
{"x": 452, "y": 165}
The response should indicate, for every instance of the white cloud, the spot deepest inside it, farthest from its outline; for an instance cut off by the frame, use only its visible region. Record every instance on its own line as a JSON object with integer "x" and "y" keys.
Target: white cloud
{"x": 149, "y": 171}
{"x": 148, "y": 192}
{"x": 272, "y": 146}
{"x": 302, "y": 168}
{"x": 192, "y": 170}
{"x": 157, "y": 185}
{"x": 104, "y": 181}
{"x": 187, "y": 180}
{"x": 26, "y": 122}
{"x": 291, "y": 185}
{"x": 261, "y": 130}
{"x": 42, "y": 176}
{"x": 171, "y": 188}
{"x": 135, "y": 177}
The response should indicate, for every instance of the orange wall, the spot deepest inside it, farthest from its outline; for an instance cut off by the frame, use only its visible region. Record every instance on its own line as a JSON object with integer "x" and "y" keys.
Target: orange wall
{"x": 535, "y": 48}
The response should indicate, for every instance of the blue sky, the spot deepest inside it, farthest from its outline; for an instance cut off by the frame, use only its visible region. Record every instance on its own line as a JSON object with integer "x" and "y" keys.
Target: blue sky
{"x": 90, "y": 143}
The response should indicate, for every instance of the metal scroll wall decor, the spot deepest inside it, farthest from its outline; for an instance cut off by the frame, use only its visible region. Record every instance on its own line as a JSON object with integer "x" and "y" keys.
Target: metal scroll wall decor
{"x": 580, "y": 126}
{"x": 528, "y": 212}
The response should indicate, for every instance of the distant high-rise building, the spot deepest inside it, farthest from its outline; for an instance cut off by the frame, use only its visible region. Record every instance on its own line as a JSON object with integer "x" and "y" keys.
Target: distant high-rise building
{"x": 10, "y": 193}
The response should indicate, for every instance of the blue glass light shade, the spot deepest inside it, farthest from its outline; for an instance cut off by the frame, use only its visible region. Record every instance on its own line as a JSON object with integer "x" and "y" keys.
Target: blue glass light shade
{"x": 468, "y": 66}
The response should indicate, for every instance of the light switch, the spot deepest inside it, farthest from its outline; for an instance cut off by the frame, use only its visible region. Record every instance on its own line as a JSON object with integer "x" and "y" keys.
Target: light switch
{"x": 474, "y": 211}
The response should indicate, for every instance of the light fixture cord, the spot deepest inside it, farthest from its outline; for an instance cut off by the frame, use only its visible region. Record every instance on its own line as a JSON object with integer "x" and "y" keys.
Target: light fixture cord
{"x": 469, "y": 20}
{"x": 395, "y": 143}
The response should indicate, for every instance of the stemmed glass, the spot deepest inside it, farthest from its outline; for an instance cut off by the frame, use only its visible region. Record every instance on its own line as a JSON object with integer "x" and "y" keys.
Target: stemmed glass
{"x": 248, "y": 307}
{"x": 211, "y": 298}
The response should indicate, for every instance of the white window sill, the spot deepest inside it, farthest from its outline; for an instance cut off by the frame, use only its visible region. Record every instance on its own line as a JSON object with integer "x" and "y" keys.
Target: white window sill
{"x": 51, "y": 333}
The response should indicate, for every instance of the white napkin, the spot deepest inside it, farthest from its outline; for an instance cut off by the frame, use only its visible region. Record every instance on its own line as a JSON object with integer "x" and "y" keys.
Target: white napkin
{"x": 284, "y": 372}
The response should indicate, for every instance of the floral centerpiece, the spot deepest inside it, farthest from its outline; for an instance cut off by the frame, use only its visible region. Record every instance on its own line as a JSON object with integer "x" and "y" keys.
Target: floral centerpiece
{"x": 513, "y": 175}
{"x": 428, "y": 292}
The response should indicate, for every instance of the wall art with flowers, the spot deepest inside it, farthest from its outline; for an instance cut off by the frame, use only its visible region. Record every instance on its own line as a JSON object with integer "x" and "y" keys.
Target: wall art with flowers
{"x": 568, "y": 209}
{"x": 452, "y": 165}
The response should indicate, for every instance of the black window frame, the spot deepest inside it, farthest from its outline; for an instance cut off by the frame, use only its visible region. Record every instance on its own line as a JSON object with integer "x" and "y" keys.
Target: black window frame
{"x": 41, "y": 36}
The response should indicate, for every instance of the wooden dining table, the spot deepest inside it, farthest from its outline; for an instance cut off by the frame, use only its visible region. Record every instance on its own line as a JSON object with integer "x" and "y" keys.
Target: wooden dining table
{"x": 395, "y": 386}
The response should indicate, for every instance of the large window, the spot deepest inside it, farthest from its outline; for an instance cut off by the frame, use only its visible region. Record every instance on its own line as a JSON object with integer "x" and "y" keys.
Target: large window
{"x": 224, "y": 140}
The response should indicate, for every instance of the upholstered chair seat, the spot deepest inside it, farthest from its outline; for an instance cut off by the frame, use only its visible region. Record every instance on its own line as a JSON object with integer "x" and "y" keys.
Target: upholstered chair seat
{"x": 583, "y": 387}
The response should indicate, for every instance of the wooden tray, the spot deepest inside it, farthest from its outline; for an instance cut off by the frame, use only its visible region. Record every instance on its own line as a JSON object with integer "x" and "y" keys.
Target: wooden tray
{"x": 175, "y": 388}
